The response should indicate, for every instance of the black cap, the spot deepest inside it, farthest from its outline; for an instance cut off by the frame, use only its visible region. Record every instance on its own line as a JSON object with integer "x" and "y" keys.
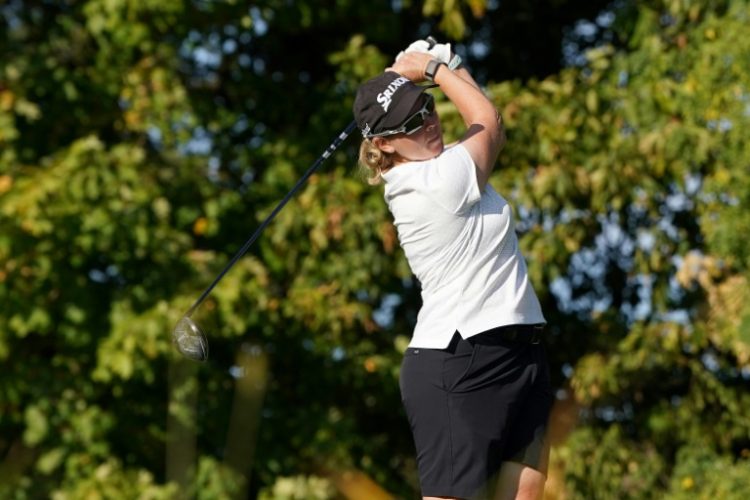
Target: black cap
{"x": 384, "y": 102}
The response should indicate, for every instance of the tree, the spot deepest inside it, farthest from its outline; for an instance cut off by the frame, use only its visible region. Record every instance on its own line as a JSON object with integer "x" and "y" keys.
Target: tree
{"x": 631, "y": 192}
{"x": 142, "y": 141}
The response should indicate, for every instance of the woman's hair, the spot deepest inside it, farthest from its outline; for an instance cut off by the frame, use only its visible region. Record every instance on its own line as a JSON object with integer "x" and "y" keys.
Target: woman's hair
{"x": 373, "y": 162}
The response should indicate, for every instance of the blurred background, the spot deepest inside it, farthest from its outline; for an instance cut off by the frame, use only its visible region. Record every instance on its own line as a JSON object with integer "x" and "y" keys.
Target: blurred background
{"x": 141, "y": 143}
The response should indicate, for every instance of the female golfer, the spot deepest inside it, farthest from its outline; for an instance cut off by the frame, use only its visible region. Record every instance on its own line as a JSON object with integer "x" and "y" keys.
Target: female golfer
{"x": 474, "y": 380}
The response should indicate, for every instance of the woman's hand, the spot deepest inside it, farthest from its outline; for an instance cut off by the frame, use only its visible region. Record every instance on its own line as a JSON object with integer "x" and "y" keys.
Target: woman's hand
{"x": 412, "y": 65}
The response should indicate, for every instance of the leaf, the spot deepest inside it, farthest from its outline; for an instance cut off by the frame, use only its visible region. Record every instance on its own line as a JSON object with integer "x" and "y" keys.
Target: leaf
{"x": 37, "y": 425}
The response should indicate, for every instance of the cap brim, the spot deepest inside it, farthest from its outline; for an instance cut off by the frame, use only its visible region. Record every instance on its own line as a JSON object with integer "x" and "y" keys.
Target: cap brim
{"x": 405, "y": 105}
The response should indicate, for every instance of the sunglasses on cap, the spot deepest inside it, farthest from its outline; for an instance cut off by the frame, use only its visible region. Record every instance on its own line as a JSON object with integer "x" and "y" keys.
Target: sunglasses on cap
{"x": 414, "y": 122}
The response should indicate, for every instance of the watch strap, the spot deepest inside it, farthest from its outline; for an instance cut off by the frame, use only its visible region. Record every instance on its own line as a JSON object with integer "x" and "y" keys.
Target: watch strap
{"x": 432, "y": 69}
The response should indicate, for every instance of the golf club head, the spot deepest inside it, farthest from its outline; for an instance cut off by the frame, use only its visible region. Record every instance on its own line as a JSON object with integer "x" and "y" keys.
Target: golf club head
{"x": 190, "y": 339}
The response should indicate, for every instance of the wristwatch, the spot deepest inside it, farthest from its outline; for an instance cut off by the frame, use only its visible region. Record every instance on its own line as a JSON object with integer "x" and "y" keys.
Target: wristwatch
{"x": 432, "y": 69}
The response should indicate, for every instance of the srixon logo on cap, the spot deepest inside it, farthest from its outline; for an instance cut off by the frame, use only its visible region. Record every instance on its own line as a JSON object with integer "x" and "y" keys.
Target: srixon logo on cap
{"x": 385, "y": 97}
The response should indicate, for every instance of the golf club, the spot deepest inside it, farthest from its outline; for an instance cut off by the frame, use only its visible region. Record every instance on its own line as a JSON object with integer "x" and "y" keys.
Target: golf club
{"x": 187, "y": 336}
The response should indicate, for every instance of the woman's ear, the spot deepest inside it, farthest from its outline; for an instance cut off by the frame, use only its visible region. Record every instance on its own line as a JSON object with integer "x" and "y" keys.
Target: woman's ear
{"x": 383, "y": 144}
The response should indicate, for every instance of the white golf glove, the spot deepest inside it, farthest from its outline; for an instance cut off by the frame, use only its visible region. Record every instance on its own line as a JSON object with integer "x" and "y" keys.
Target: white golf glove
{"x": 418, "y": 46}
{"x": 440, "y": 51}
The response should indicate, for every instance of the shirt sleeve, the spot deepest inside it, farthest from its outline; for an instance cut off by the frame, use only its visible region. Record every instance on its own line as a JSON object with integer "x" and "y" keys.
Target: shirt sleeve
{"x": 451, "y": 180}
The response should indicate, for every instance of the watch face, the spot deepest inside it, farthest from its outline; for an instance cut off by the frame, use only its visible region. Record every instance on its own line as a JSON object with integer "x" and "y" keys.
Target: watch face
{"x": 432, "y": 67}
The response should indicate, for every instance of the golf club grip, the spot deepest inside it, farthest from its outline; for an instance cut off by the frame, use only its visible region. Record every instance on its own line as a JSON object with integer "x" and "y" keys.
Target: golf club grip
{"x": 328, "y": 152}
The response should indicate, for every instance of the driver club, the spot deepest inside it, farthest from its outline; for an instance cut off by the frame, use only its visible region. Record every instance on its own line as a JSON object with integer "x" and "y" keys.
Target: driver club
{"x": 187, "y": 336}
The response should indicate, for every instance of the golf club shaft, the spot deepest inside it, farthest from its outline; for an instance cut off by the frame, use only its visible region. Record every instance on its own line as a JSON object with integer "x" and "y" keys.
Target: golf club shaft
{"x": 334, "y": 145}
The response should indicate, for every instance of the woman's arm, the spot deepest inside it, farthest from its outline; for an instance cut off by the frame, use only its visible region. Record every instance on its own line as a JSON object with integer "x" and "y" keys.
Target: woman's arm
{"x": 484, "y": 137}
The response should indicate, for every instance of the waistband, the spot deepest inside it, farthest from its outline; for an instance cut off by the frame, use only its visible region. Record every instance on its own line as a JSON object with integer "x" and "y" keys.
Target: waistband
{"x": 529, "y": 334}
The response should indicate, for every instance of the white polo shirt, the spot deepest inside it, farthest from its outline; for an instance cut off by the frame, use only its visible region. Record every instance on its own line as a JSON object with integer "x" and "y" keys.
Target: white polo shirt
{"x": 462, "y": 247}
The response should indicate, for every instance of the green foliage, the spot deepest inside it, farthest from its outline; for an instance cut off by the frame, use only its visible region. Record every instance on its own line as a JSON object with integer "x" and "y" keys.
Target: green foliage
{"x": 654, "y": 143}
{"x": 299, "y": 487}
{"x": 141, "y": 142}
{"x": 601, "y": 464}
{"x": 701, "y": 473}
{"x": 110, "y": 480}
{"x": 214, "y": 480}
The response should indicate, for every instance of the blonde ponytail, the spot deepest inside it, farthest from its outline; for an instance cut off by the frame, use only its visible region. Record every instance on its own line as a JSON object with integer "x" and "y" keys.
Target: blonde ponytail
{"x": 373, "y": 162}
